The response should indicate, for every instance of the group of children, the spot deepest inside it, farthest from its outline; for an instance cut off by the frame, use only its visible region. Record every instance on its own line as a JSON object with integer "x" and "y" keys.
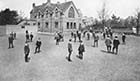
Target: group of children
{"x": 11, "y": 39}
{"x": 27, "y": 49}
{"x": 116, "y": 43}
{"x": 74, "y": 35}
{"x": 81, "y": 50}
{"x": 29, "y": 38}
{"x": 112, "y": 44}
{"x": 59, "y": 37}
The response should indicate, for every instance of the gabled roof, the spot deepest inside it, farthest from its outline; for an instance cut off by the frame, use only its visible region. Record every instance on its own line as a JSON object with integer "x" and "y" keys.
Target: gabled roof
{"x": 50, "y": 6}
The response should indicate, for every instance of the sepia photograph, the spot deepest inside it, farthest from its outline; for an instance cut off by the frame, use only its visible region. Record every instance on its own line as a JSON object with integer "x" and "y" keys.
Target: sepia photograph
{"x": 69, "y": 40}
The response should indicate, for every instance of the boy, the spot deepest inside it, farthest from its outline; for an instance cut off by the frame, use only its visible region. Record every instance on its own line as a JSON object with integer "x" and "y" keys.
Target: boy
{"x": 74, "y": 35}
{"x": 88, "y": 35}
{"x": 10, "y": 39}
{"x": 69, "y": 50}
{"x": 38, "y": 45}
{"x": 31, "y": 37}
{"x": 26, "y": 51}
{"x": 116, "y": 43}
{"x": 123, "y": 38}
{"x": 81, "y": 49}
{"x": 108, "y": 43}
{"x": 96, "y": 38}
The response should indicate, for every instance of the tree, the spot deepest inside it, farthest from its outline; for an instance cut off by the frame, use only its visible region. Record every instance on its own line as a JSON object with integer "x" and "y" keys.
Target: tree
{"x": 8, "y": 16}
{"x": 115, "y": 19}
{"x": 21, "y": 16}
{"x": 130, "y": 22}
{"x": 137, "y": 20}
{"x": 103, "y": 14}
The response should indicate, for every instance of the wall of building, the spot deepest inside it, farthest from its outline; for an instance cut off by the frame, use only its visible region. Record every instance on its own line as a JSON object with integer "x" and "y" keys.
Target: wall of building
{"x": 2, "y": 30}
{"x": 19, "y": 29}
{"x": 62, "y": 26}
{"x": 76, "y": 20}
{"x": 67, "y": 11}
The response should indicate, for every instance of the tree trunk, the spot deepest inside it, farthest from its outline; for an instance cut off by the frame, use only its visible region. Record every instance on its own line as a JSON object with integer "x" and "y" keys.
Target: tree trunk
{"x": 137, "y": 28}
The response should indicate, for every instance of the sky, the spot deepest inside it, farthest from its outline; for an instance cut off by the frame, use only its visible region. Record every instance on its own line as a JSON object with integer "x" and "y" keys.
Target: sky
{"x": 121, "y": 8}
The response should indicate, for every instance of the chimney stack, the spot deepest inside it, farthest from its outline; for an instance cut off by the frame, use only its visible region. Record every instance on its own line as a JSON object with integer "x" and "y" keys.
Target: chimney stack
{"x": 33, "y": 5}
{"x": 49, "y": 1}
{"x": 58, "y": 2}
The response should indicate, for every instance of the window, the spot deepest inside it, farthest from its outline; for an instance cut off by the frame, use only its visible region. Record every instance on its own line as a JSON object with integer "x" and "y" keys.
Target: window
{"x": 46, "y": 14}
{"x": 34, "y": 16}
{"x": 80, "y": 26}
{"x": 22, "y": 27}
{"x": 71, "y": 25}
{"x": 71, "y": 13}
{"x": 38, "y": 24}
{"x": 56, "y": 24}
{"x": 56, "y": 13}
{"x": 74, "y": 25}
{"x": 39, "y": 15}
{"x": 46, "y": 24}
{"x": 34, "y": 23}
{"x": 42, "y": 16}
{"x": 67, "y": 25}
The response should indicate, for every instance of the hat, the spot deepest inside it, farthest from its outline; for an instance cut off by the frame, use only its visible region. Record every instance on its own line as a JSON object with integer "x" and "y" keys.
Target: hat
{"x": 108, "y": 36}
{"x": 70, "y": 40}
{"x": 116, "y": 36}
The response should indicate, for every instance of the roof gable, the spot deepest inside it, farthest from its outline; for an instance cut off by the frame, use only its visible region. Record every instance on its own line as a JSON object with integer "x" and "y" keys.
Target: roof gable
{"x": 50, "y": 7}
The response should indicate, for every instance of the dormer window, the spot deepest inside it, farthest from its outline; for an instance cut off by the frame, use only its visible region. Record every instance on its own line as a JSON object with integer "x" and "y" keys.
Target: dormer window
{"x": 71, "y": 13}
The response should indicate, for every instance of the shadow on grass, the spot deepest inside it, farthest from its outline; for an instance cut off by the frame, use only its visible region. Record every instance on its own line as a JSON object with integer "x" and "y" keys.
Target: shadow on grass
{"x": 106, "y": 52}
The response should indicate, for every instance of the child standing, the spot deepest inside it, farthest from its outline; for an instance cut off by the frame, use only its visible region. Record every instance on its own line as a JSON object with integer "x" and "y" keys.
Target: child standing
{"x": 116, "y": 43}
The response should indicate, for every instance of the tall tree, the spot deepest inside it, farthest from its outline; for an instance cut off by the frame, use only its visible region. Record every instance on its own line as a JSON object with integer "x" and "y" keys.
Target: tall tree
{"x": 8, "y": 16}
{"x": 115, "y": 21}
{"x": 137, "y": 20}
{"x": 103, "y": 14}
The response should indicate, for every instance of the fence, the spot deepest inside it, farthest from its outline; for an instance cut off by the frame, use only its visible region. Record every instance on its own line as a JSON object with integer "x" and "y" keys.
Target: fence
{"x": 20, "y": 29}
{"x": 2, "y": 30}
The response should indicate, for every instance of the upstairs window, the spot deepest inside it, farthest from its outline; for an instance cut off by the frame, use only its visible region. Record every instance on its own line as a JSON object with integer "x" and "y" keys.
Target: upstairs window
{"x": 56, "y": 13}
{"x": 47, "y": 24}
{"x": 47, "y": 14}
{"x": 42, "y": 15}
{"x": 71, "y": 13}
